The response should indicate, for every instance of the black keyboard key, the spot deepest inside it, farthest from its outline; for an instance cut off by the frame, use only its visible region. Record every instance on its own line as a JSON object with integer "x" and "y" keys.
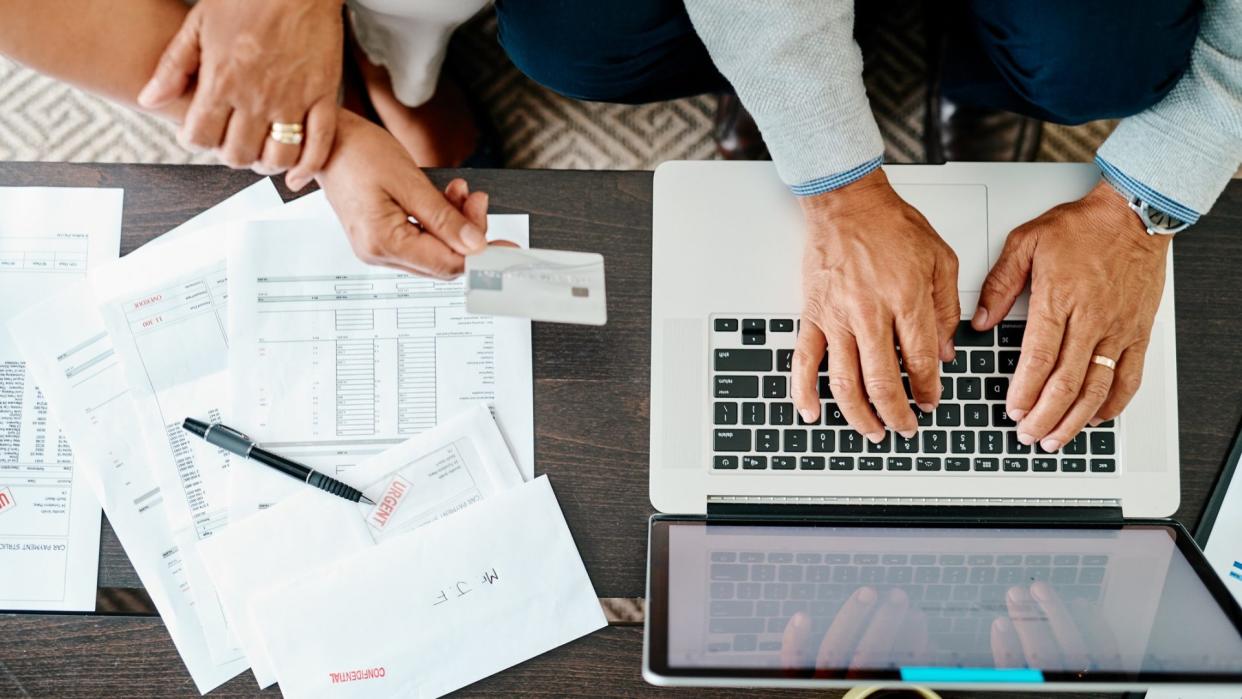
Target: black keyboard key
{"x": 798, "y": 419}
{"x": 962, "y": 442}
{"x": 958, "y": 364}
{"x": 870, "y": 463}
{"x": 1013, "y": 446}
{"x": 1044, "y": 465}
{"x": 986, "y": 464}
{"x": 924, "y": 419}
{"x": 754, "y": 324}
{"x": 811, "y": 463}
{"x": 833, "y": 417}
{"x": 1104, "y": 425}
{"x": 825, "y": 388}
{"x": 780, "y": 413}
{"x": 1015, "y": 464}
{"x": 948, "y": 415}
{"x": 927, "y": 463}
{"x": 781, "y": 325}
{"x": 1076, "y": 446}
{"x": 823, "y": 441}
{"x": 935, "y": 442}
{"x": 726, "y": 413}
{"x": 726, "y": 325}
{"x": 905, "y": 385}
{"x": 976, "y": 414}
{"x": 946, "y": 388}
{"x": 754, "y": 338}
{"x": 906, "y": 446}
{"x": 784, "y": 360}
{"x": 1009, "y": 333}
{"x": 991, "y": 442}
{"x": 955, "y": 463}
{"x": 783, "y": 463}
{"x": 1103, "y": 466}
{"x": 969, "y": 388}
{"x": 883, "y": 446}
{"x": 724, "y": 461}
{"x": 982, "y": 362}
{"x": 732, "y": 440}
{"x": 743, "y": 360}
{"x": 899, "y": 463}
{"x": 1103, "y": 443}
{"x": 737, "y": 386}
{"x": 995, "y": 388}
{"x": 841, "y": 463}
{"x": 795, "y": 441}
{"x": 851, "y": 442}
{"x": 1073, "y": 465}
{"x": 754, "y": 463}
{"x": 774, "y": 386}
{"x": 967, "y": 336}
{"x": 767, "y": 440}
{"x": 1007, "y": 361}
{"x": 1000, "y": 418}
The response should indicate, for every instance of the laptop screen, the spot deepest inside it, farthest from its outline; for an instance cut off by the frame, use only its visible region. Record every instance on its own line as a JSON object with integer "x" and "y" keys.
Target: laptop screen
{"x": 937, "y": 605}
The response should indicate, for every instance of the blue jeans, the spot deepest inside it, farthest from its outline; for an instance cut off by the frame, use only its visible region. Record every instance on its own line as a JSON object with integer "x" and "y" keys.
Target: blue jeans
{"x": 1066, "y": 61}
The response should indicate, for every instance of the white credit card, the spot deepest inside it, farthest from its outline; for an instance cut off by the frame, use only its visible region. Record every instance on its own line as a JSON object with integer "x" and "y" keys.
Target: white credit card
{"x": 548, "y": 285}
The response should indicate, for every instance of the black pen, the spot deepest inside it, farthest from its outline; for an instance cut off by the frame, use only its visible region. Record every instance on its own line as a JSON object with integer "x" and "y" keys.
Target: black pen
{"x": 235, "y": 442}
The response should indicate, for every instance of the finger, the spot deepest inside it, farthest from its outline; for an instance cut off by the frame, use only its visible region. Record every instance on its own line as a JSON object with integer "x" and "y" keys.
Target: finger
{"x": 948, "y": 308}
{"x": 845, "y": 381}
{"x": 1041, "y": 344}
{"x": 475, "y": 208}
{"x": 1064, "y": 629}
{"x": 405, "y": 247}
{"x": 794, "y": 643}
{"x": 438, "y": 217}
{"x": 205, "y": 124}
{"x": 319, "y": 135}
{"x": 1127, "y": 378}
{"x": 276, "y": 157}
{"x": 177, "y": 64}
{"x": 804, "y": 382}
{"x": 1067, "y": 381}
{"x": 1038, "y": 646}
{"x": 243, "y": 141}
{"x": 882, "y": 377}
{"x": 920, "y": 355}
{"x": 456, "y": 193}
{"x": 1006, "y": 648}
{"x": 875, "y": 648}
{"x": 1095, "y": 390}
{"x": 1006, "y": 279}
{"x": 849, "y": 624}
{"x": 1100, "y": 638}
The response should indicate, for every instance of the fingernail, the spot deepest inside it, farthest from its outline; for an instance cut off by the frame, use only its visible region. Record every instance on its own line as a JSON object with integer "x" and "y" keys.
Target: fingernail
{"x": 807, "y": 415}
{"x": 1016, "y": 414}
{"x": 473, "y": 237}
{"x": 875, "y": 437}
{"x": 926, "y": 407}
{"x": 1018, "y": 595}
{"x": 1041, "y": 591}
{"x": 147, "y": 92}
{"x": 1095, "y": 421}
{"x": 1050, "y": 444}
{"x": 295, "y": 183}
{"x": 908, "y": 434}
{"x": 1026, "y": 438}
{"x": 948, "y": 350}
{"x": 981, "y": 317}
{"x": 800, "y": 621}
{"x": 866, "y": 595}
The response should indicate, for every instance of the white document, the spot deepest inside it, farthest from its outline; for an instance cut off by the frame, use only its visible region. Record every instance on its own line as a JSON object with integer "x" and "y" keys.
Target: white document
{"x": 332, "y": 360}
{"x": 458, "y": 463}
{"x": 436, "y": 609}
{"x": 49, "y": 519}
{"x": 86, "y": 388}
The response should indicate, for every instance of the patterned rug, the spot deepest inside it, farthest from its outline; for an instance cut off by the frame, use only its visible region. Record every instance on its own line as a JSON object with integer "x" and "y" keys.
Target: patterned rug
{"x": 41, "y": 119}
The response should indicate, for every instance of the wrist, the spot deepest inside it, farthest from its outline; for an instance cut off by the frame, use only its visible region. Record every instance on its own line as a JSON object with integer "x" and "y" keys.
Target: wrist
{"x": 861, "y": 194}
{"x": 1111, "y": 212}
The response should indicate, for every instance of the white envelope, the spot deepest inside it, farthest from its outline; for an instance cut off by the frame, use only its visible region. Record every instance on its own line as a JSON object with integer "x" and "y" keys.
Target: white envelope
{"x": 435, "y": 609}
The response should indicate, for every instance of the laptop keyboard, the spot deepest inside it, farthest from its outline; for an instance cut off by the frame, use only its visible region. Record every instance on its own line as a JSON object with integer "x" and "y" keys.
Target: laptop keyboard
{"x": 753, "y": 595}
{"x": 757, "y": 429}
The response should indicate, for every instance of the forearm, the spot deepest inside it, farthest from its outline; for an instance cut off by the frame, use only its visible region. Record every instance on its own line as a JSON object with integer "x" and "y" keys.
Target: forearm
{"x": 108, "y": 47}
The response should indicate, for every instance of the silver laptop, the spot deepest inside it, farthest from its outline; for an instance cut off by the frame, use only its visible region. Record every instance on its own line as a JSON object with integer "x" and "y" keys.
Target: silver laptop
{"x": 800, "y": 554}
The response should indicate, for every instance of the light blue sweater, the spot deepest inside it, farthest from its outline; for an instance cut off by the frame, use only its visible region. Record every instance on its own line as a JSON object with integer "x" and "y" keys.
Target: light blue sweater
{"x": 796, "y": 67}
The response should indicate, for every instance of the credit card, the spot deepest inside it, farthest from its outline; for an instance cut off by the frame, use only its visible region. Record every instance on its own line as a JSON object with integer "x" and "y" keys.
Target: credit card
{"x": 548, "y": 285}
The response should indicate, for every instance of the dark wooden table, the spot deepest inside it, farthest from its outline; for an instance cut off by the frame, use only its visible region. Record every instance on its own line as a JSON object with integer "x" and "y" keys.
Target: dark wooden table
{"x": 591, "y": 393}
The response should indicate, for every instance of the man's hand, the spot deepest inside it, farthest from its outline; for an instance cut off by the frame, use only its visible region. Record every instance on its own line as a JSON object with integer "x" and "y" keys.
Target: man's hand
{"x": 874, "y": 274}
{"x": 1096, "y": 280}
{"x": 255, "y": 64}
{"x": 871, "y": 631}
{"x": 375, "y": 188}
{"x": 1042, "y": 632}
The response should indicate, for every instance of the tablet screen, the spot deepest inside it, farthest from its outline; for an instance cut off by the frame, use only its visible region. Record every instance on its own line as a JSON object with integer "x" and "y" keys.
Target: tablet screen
{"x": 937, "y": 604}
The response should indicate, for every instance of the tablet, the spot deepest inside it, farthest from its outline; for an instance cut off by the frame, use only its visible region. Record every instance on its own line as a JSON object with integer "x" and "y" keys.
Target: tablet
{"x": 749, "y": 602}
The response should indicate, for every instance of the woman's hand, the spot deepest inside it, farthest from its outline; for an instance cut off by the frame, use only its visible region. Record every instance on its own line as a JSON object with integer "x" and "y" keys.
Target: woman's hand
{"x": 375, "y": 188}
{"x": 250, "y": 64}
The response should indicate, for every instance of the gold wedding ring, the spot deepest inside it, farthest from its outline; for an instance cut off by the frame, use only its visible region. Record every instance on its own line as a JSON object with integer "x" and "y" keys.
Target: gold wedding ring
{"x": 1104, "y": 361}
{"x": 288, "y": 134}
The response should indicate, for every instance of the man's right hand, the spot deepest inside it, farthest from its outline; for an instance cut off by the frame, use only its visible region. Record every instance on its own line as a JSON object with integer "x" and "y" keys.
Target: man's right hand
{"x": 874, "y": 275}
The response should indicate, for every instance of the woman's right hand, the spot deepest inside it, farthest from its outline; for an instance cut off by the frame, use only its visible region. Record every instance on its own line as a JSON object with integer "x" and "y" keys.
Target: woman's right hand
{"x": 375, "y": 187}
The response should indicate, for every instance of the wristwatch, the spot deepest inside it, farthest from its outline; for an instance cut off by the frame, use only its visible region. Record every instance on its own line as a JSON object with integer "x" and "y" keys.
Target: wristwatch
{"x": 1156, "y": 221}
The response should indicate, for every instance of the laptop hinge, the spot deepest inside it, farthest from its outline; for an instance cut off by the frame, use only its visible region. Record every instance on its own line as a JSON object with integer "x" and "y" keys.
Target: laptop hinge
{"x": 908, "y": 510}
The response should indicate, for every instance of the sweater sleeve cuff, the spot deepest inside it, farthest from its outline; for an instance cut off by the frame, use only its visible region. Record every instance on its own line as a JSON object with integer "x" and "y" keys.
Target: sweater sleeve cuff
{"x": 819, "y": 185}
{"x": 1130, "y": 187}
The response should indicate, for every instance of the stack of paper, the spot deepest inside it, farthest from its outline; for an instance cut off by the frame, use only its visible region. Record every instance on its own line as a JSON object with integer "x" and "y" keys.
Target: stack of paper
{"x": 258, "y": 315}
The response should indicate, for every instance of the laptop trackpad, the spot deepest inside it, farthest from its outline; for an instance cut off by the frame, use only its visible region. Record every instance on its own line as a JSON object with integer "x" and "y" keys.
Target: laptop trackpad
{"x": 959, "y": 213}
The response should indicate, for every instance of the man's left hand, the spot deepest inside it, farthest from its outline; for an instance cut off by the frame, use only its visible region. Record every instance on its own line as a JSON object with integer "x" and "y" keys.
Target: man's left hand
{"x": 1096, "y": 280}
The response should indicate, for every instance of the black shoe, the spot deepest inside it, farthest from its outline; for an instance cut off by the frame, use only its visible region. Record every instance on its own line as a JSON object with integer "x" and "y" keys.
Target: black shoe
{"x": 984, "y": 135}
{"x": 736, "y": 133}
